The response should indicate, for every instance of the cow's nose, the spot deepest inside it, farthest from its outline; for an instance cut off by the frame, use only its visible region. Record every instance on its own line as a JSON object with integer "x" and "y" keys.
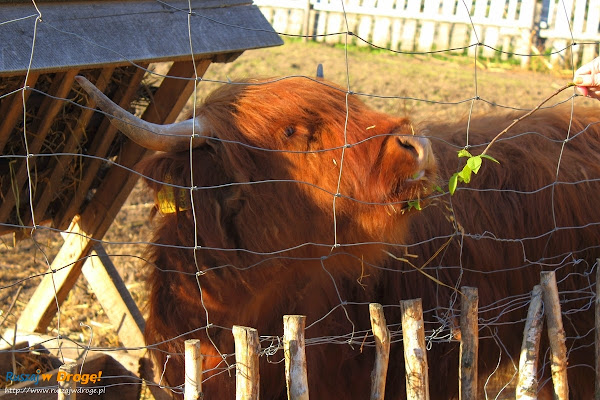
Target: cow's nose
{"x": 419, "y": 147}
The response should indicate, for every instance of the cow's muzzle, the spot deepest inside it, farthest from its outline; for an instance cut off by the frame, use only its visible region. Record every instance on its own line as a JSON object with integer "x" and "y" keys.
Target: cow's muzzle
{"x": 419, "y": 148}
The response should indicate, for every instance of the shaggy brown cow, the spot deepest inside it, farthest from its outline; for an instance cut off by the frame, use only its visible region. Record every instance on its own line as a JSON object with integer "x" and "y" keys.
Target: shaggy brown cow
{"x": 299, "y": 190}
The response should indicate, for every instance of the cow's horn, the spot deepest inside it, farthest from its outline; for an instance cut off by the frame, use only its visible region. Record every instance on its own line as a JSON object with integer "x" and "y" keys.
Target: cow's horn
{"x": 172, "y": 137}
{"x": 320, "y": 71}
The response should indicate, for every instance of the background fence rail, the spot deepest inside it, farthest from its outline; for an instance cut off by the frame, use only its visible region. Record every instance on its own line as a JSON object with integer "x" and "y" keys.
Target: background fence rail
{"x": 513, "y": 27}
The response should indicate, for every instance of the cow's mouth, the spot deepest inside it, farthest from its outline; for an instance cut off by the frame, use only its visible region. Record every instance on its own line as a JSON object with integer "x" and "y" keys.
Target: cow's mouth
{"x": 416, "y": 176}
{"x": 414, "y": 192}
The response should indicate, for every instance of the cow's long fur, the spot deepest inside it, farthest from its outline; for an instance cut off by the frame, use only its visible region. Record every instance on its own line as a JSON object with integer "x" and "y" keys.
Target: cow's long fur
{"x": 266, "y": 249}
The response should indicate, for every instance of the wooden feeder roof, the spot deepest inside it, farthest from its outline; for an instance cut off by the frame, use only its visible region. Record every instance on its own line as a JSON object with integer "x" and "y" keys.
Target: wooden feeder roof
{"x": 59, "y": 159}
{"x": 96, "y": 33}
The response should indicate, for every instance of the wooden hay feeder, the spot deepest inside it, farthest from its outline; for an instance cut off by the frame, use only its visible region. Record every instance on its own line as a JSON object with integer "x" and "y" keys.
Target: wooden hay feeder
{"x": 62, "y": 165}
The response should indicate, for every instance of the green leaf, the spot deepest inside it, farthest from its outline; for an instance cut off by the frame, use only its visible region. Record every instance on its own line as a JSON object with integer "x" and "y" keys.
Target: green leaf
{"x": 474, "y": 163}
{"x": 437, "y": 188}
{"x": 464, "y": 153}
{"x": 490, "y": 158}
{"x": 472, "y": 167}
{"x": 453, "y": 182}
{"x": 416, "y": 204}
{"x": 465, "y": 174}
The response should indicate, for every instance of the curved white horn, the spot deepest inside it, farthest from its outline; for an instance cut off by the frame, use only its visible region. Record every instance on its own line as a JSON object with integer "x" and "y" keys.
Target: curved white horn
{"x": 171, "y": 137}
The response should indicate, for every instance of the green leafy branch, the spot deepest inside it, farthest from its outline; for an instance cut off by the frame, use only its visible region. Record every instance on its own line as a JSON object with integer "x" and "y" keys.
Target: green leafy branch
{"x": 471, "y": 167}
{"x": 474, "y": 162}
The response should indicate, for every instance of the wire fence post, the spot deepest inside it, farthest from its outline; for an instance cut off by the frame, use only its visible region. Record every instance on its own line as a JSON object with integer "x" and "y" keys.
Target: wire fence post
{"x": 381, "y": 333}
{"x": 66, "y": 384}
{"x": 469, "y": 344}
{"x": 415, "y": 353}
{"x": 556, "y": 334}
{"x": 295, "y": 357}
{"x": 527, "y": 385}
{"x": 193, "y": 370}
{"x": 247, "y": 376}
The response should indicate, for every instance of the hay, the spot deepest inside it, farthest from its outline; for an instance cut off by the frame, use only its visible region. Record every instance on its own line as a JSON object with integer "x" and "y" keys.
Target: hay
{"x": 30, "y": 362}
{"x": 15, "y": 186}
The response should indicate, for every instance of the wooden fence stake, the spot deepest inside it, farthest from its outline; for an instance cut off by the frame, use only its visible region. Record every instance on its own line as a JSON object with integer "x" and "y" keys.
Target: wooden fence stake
{"x": 295, "y": 357}
{"x": 415, "y": 353}
{"x": 556, "y": 334}
{"x": 247, "y": 375}
{"x": 469, "y": 344}
{"x": 597, "y": 397}
{"x": 527, "y": 385}
{"x": 66, "y": 384}
{"x": 193, "y": 370}
{"x": 382, "y": 351}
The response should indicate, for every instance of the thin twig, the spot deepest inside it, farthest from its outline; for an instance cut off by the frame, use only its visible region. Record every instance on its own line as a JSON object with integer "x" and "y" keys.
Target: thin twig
{"x": 14, "y": 347}
{"x": 12, "y": 304}
{"x": 516, "y": 121}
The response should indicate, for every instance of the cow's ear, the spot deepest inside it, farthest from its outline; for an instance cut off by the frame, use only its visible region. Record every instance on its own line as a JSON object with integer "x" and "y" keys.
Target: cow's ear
{"x": 216, "y": 199}
{"x": 216, "y": 210}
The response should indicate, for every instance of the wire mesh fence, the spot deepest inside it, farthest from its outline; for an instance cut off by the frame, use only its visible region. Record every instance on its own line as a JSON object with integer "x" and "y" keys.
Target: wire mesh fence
{"x": 299, "y": 200}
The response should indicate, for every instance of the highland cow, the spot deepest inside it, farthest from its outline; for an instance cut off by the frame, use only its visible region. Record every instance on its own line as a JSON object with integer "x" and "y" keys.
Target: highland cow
{"x": 301, "y": 192}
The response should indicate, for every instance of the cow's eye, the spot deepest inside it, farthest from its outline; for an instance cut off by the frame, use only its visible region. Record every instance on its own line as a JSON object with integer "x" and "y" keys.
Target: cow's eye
{"x": 289, "y": 131}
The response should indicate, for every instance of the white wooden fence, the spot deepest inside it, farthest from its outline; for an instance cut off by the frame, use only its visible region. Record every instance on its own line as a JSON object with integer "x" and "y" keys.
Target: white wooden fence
{"x": 505, "y": 28}
{"x": 563, "y": 22}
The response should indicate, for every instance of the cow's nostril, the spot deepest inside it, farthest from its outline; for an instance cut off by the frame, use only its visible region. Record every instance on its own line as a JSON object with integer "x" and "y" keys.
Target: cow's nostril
{"x": 407, "y": 145}
{"x": 417, "y": 147}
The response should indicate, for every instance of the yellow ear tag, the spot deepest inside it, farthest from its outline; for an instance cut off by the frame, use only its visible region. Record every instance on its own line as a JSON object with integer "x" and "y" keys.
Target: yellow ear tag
{"x": 167, "y": 203}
